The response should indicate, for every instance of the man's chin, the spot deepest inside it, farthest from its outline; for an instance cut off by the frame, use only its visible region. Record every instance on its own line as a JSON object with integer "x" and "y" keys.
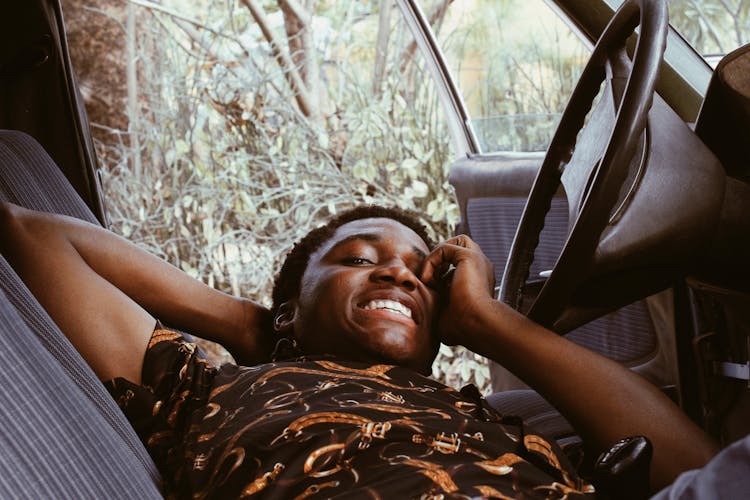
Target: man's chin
{"x": 392, "y": 346}
{"x": 402, "y": 359}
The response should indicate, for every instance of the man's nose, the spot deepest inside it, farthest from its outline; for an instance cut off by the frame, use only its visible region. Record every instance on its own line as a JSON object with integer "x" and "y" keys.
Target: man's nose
{"x": 397, "y": 273}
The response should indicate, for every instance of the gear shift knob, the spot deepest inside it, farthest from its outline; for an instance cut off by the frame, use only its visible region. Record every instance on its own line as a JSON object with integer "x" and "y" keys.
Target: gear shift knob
{"x": 622, "y": 472}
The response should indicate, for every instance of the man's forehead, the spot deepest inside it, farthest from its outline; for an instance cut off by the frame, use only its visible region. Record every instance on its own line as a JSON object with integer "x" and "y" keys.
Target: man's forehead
{"x": 379, "y": 228}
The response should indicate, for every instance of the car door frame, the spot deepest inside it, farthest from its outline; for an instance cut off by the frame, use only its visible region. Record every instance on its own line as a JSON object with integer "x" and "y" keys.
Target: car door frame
{"x": 40, "y": 94}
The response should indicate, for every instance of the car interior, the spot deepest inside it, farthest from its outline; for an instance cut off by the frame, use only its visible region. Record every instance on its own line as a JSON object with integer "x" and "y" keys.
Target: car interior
{"x": 630, "y": 235}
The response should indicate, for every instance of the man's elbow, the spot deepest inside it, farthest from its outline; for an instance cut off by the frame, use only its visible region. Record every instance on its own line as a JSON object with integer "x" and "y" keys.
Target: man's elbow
{"x": 8, "y": 224}
{"x": 13, "y": 227}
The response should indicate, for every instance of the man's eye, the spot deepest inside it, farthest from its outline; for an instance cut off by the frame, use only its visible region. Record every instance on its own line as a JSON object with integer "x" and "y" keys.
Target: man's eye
{"x": 357, "y": 261}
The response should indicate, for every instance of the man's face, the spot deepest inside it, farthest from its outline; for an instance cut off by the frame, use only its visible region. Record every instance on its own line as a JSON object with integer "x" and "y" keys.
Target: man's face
{"x": 361, "y": 298}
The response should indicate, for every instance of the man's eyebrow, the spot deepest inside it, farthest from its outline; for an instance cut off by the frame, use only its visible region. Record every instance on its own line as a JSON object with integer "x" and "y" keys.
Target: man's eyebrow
{"x": 374, "y": 238}
{"x": 360, "y": 236}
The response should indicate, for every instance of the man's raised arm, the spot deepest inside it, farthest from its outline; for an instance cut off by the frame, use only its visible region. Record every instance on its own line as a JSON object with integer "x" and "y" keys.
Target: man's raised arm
{"x": 161, "y": 289}
{"x": 603, "y": 400}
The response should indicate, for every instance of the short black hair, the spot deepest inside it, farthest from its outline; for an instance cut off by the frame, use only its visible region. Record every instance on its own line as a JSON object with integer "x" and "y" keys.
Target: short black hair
{"x": 287, "y": 283}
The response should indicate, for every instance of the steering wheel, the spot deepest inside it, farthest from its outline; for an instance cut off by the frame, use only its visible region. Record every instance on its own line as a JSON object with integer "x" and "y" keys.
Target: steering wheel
{"x": 593, "y": 185}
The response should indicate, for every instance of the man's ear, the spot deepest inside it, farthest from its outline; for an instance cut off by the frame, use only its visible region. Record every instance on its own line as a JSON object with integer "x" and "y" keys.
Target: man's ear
{"x": 283, "y": 322}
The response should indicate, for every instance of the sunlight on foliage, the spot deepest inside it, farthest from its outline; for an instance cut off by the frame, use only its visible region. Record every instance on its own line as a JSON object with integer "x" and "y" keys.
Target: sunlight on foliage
{"x": 256, "y": 121}
{"x": 237, "y": 171}
{"x": 713, "y": 27}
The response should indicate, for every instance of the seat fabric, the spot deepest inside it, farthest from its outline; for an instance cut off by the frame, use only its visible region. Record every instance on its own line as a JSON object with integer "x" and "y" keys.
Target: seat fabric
{"x": 98, "y": 450}
{"x": 534, "y": 410}
{"x": 493, "y": 222}
{"x": 56, "y": 442}
{"x": 628, "y": 335}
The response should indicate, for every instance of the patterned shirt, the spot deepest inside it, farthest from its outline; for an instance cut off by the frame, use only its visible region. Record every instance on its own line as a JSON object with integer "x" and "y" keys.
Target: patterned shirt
{"x": 323, "y": 427}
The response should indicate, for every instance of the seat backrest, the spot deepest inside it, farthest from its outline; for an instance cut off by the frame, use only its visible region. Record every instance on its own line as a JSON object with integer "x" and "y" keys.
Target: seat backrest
{"x": 625, "y": 335}
{"x": 97, "y": 444}
{"x": 56, "y": 441}
{"x": 491, "y": 199}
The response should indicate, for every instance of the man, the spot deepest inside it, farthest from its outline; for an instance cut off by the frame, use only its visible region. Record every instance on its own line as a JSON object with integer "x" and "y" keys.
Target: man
{"x": 365, "y": 290}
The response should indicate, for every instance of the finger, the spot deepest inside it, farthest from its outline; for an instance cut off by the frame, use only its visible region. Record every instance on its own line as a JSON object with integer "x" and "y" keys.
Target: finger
{"x": 460, "y": 241}
{"x": 440, "y": 259}
{"x": 464, "y": 241}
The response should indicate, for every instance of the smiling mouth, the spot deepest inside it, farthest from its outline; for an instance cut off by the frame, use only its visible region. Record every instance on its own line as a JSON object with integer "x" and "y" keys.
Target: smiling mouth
{"x": 388, "y": 305}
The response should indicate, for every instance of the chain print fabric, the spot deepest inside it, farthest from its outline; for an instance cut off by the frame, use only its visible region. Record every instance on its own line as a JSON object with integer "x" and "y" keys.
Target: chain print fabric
{"x": 322, "y": 427}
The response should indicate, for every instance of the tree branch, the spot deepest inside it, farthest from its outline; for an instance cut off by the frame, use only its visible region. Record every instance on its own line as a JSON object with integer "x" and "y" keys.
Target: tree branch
{"x": 291, "y": 74}
{"x": 132, "y": 91}
{"x": 301, "y": 14}
{"x": 381, "y": 47}
{"x": 294, "y": 27}
{"x": 186, "y": 23}
{"x": 707, "y": 23}
{"x": 176, "y": 15}
{"x": 297, "y": 23}
{"x": 312, "y": 64}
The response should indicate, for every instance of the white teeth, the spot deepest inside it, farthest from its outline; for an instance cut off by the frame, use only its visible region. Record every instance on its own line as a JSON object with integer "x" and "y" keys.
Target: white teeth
{"x": 390, "y": 305}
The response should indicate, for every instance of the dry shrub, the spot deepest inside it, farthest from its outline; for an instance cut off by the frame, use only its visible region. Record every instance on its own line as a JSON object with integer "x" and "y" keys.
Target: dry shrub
{"x": 234, "y": 173}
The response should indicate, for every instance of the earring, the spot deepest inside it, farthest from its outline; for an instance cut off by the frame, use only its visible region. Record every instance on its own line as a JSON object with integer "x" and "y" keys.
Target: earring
{"x": 278, "y": 321}
{"x": 284, "y": 316}
{"x": 286, "y": 348}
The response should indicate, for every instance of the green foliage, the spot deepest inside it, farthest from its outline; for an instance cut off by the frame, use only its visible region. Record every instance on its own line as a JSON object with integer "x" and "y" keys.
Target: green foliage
{"x": 516, "y": 64}
{"x": 713, "y": 27}
{"x": 235, "y": 173}
{"x": 239, "y": 163}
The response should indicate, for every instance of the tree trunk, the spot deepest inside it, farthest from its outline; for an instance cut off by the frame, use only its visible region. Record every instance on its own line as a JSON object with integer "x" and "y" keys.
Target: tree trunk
{"x": 381, "y": 49}
{"x": 132, "y": 79}
{"x": 291, "y": 72}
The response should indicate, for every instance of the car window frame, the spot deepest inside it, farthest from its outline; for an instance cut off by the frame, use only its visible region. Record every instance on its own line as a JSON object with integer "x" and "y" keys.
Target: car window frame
{"x": 465, "y": 139}
{"x": 683, "y": 81}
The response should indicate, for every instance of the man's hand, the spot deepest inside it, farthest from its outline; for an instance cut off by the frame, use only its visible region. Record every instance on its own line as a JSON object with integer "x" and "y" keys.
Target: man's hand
{"x": 603, "y": 400}
{"x": 253, "y": 343}
{"x": 122, "y": 283}
{"x": 464, "y": 277}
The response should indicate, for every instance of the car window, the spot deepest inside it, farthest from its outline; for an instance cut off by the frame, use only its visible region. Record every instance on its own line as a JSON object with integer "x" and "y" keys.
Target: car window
{"x": 515, "y": 64}
{"x": 248, "y": 130}
{"x": 713, "y": 27}
{"x": 244, "y": 131}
